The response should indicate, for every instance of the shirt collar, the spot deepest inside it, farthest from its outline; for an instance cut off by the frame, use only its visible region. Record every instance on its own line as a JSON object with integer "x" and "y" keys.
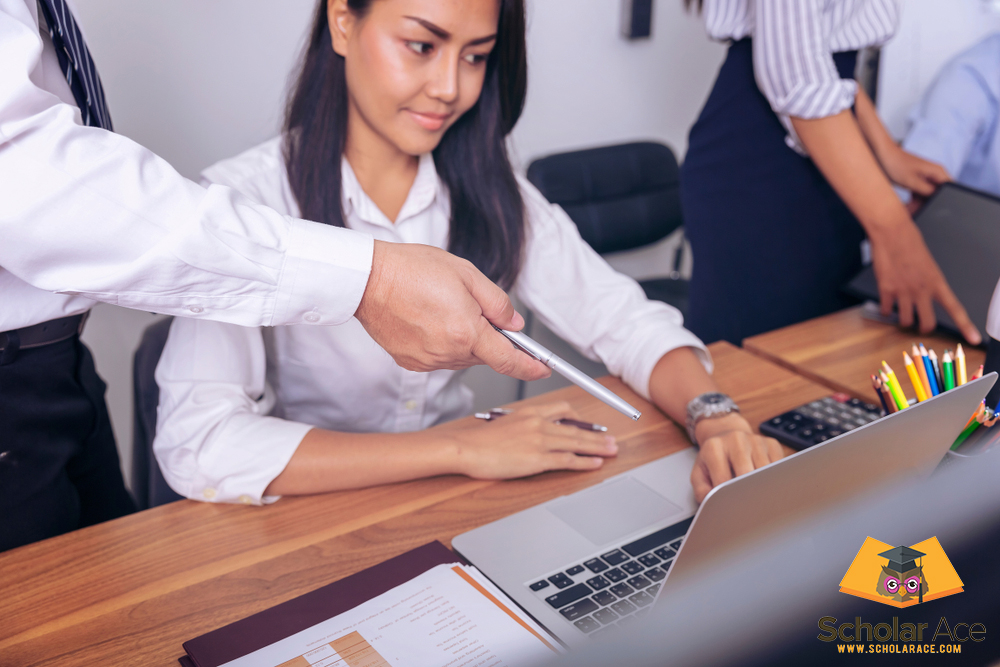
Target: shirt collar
{"x": 426, "y": 188}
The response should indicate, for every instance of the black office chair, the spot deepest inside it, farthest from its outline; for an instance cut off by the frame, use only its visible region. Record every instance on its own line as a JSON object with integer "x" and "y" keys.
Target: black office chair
{"x": 620, "y": 197}
{"x": 148, "y": 485}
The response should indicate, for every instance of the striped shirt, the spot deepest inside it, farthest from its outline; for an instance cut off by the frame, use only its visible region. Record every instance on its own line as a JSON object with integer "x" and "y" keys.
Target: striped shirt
{"x": 793, "y": 46}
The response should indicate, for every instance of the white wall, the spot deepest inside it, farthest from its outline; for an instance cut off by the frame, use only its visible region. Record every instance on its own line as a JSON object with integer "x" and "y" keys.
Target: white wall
{"x": 200, "y": 80}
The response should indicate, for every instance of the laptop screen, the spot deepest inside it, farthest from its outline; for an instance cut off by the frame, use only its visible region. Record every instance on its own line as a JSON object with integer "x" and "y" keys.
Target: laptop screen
{"x": 962, "y": 229}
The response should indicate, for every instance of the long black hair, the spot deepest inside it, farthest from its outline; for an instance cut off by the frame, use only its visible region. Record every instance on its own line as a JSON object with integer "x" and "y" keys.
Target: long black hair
{"x": 487, "y": 212}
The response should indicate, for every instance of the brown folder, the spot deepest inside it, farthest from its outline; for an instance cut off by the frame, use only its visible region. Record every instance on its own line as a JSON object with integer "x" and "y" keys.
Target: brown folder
{"x": 264, "y": 628}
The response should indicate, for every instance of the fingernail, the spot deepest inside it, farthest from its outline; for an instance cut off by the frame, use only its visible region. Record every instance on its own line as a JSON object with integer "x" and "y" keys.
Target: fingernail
{"x": 517, "y": 321}
{"x": 610, "y": 444}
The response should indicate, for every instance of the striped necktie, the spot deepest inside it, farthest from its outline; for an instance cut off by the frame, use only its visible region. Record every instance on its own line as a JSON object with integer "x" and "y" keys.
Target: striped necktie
{"x": 76, "y": 63}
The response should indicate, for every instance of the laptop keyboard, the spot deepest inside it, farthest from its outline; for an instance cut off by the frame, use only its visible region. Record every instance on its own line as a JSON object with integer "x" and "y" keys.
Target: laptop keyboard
{"x": 615, "y": 588}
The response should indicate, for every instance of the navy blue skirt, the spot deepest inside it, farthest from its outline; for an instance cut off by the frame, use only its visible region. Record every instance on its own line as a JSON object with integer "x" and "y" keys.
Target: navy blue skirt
{"x": 772, "y": 242}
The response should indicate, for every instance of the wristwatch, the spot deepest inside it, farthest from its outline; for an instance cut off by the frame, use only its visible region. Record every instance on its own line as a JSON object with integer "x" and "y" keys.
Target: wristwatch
{"x": 708, "y": 406}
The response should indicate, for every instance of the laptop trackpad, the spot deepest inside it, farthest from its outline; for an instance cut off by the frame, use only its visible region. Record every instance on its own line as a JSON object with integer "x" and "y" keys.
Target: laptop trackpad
{"x": 610, "y": 511}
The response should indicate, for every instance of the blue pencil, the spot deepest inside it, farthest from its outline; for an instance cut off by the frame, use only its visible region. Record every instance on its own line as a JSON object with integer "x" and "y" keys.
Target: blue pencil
{"x": 931, "y": 377}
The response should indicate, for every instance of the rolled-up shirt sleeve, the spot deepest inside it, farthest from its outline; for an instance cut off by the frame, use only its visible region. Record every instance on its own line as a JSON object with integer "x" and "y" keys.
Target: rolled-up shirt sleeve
{"x": 88, "y": 212}
{"x": 602, "y": 313}
{"x": 215, "y": 439}
{"x": 793, "y": 63}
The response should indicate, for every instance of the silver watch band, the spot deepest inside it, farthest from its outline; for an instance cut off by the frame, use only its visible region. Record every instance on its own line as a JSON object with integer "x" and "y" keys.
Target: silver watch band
{"x": 707, "y": 406}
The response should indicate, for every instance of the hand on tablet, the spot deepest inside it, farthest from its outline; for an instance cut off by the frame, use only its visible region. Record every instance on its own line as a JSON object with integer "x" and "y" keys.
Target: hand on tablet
{"x": 909, "y": 278}
{"x": 728, "y": 448}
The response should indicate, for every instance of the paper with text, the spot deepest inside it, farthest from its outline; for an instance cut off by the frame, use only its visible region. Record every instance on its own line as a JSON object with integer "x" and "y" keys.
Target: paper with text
{"x": 450, "y": 616}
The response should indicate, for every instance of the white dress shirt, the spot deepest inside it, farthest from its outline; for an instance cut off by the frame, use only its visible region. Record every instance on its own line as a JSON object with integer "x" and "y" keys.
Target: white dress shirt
{"x": 793, "y": 43}
{"x": 88, "y": 215}
{"x": 235, "y": 402}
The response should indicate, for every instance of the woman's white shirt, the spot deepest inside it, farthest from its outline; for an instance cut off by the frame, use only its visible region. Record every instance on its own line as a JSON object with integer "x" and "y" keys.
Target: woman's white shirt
{"x": 793, "y": 46}
{"x": 235, "y": 401}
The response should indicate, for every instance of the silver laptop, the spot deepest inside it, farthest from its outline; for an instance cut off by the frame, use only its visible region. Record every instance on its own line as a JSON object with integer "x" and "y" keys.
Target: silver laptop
{"x": 590, "y": 562}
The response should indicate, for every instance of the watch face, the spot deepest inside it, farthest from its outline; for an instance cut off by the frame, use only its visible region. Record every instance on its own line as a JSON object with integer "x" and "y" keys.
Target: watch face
{"x": 715, "y": 399}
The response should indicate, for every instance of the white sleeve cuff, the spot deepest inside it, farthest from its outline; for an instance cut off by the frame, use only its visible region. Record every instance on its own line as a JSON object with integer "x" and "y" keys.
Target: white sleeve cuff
{"x": 324, "y": 276}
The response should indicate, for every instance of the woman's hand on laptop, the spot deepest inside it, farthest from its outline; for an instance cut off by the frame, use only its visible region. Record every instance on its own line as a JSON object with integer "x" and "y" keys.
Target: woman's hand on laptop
{"x": 525, "y": 442}
{"x": 728, "y": 448}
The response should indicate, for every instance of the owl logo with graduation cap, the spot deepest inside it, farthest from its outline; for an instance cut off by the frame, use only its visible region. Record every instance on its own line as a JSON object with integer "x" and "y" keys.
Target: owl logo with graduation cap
{"x": 901, "y": 576}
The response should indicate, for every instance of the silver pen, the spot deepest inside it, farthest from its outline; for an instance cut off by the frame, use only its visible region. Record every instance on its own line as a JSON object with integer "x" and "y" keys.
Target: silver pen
{"x": 571, "y": 373}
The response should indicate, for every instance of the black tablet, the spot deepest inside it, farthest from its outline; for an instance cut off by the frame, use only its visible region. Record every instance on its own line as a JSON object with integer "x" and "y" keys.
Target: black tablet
{"x": 962, "y": 229}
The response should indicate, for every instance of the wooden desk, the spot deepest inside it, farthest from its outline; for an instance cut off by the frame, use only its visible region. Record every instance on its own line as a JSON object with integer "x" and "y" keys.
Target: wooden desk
{"x": 131, "y": 591}
{"x": 842, "y": 350}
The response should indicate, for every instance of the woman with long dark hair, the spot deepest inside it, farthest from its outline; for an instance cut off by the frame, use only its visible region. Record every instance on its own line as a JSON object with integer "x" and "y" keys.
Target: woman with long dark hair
{"x": 788, "y": 168}
{"x": 397, "y": 126}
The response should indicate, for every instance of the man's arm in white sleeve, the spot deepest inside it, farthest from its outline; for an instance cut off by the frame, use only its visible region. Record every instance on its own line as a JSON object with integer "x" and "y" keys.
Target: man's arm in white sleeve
{"x": 89, "y": 212}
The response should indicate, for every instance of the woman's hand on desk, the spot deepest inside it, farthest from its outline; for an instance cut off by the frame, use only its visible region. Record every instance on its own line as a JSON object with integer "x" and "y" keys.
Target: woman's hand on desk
{"x": 525, "y": 442}
{"x": 728, "y": 448}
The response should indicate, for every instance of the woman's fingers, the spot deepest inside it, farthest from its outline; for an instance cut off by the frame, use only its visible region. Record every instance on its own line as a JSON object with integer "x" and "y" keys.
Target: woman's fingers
{"x": 568, "y": 461}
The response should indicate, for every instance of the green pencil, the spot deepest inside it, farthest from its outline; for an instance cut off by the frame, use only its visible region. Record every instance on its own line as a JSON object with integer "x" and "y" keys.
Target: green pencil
{"x": 964, "y": 434}
{"x": 948, "y": 370}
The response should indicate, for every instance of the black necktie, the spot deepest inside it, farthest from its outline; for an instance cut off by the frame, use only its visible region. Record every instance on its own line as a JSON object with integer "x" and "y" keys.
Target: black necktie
{"x": 76, "y": 63}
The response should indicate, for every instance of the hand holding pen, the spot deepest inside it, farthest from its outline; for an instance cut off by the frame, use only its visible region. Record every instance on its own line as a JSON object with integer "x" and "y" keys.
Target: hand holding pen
{"x": 524, "y": 442}
{"x": 496, "y": 413}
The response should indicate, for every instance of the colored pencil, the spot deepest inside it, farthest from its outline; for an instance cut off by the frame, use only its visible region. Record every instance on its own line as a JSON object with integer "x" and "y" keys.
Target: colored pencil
{"x": 960, "y": 359}
{"x": 894, "y": 388}
{"x": 922, "y": 371}
{"x": 929, "y": 369}
{"x": 975, "y": 415}
{"x": 936, "y": 365}
{"x": 948, "y": 371}
{"x": 911, "y": 370}
{"x": 877, "y": 386}
{"x": 883, "y": 386}
{"x": 978, "y": 374}
{"x": 964, "y": 435}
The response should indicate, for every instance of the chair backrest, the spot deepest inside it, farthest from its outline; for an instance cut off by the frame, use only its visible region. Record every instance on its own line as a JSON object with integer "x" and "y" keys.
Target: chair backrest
{"x": 620, "y": 197}
{"x": 148, "y": 485}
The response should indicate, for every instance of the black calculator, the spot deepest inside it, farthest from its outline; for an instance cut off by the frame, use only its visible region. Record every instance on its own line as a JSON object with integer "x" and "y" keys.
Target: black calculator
{"x": 820, "y": 420}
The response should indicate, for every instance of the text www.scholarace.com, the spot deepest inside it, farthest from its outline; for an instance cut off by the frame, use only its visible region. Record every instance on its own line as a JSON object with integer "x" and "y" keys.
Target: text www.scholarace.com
{"x": 899, "y": 648}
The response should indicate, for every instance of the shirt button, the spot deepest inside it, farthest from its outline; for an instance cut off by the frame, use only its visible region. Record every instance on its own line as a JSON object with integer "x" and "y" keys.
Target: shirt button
{"x": 246, "y": 500}
{"x": 196, "y": 309}
{"x": 209, "y": 493}
{"x": 410, "y": 405}
{"x": 312, "y": 318}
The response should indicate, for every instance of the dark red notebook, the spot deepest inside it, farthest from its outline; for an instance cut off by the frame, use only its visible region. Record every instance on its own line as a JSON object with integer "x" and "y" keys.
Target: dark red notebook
{"x": 264, "y": 628}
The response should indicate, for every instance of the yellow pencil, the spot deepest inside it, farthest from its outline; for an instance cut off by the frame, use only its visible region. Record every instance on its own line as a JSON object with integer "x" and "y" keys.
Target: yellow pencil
{"x": 911, "y": 370}
{"x": 960, "y": 358}
{"x": 922, "y": 372}
{"x": 894, "y": 388}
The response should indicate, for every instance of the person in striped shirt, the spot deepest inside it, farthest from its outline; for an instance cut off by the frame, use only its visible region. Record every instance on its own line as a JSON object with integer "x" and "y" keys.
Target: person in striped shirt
{"x": 789, "y": 168}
